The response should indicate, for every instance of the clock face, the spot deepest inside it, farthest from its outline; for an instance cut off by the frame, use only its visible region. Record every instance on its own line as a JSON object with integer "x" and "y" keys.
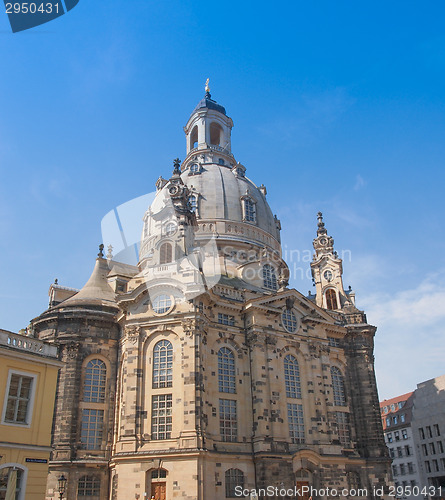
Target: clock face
{"x": 328, "y": 275}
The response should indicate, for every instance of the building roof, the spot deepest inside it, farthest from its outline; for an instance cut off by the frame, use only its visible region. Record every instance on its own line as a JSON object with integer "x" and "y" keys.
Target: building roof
{"x": 397, "y": 399}
{"x": 209, "y": 103}
{"x": 96, "y": 291}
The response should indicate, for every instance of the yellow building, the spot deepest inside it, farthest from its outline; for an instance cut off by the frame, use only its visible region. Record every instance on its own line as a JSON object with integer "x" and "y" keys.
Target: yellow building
{"x": 28, "y": 379}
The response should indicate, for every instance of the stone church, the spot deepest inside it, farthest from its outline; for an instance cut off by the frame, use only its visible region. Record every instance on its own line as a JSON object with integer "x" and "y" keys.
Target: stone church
{"x": 199, "y": 374}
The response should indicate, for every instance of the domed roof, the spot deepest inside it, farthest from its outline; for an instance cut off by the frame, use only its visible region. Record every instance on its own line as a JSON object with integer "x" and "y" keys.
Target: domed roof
{"x": 209, "y": 103}
{"x": 221, "y": 191}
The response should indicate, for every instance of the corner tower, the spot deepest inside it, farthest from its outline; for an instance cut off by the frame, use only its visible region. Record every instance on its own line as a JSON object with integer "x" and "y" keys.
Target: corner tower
{"x": 327, "y": 272}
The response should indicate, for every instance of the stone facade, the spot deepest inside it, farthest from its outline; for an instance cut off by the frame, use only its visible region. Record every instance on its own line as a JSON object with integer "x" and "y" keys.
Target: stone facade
{"x": 215, "y": 374}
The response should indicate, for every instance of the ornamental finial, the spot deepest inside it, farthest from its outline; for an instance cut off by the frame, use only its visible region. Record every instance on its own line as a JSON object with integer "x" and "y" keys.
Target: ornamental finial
{"x": 321, "y": 229}
{"x": 207, "y": 89}
{"x": 101, "y": 250}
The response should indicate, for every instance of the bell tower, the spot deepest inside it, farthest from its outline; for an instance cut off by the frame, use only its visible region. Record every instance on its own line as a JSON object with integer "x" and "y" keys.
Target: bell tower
{"x": 327, "y": 271}
{"x": 208, "y": 126}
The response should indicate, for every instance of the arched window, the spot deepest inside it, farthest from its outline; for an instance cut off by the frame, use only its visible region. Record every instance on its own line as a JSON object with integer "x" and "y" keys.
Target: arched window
{"x": 234, "y": 478}
{"x": 195, "y": 168}
{"x": 338, "y": 387}
{"x": 249, "y": 210}
{"x": 226, "y": 370}
{"x": 165, "y": 253}
{"x": 292, "y": 377}
{"x": 95, "y": 381}
{"x": 194, "y": 138}
{"x": 87, "y": 487}
{"x": 289, "y": 320}
{"x": 331, "y": 299}
{"x": 269, "y": 277}
{"x": 162, "y": 364}
{"x": 10, "y": 476}
{"x": 193, "y": 202}
{"x": 216, "y": 133}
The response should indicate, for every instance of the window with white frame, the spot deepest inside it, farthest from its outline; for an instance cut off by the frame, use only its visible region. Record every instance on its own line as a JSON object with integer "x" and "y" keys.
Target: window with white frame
{"x": 161, "y": 416}
{"x": 11, "y": 474}
{"x": 91, "y": 431}
{"x": 228, "y": 422}
{"x": 19, "y": 398}
{"x": 269, "y": 277}
{"x": 295, "y": 420}
{"x": 162, "y": 364}
{"x": 226, "y": 371}
{"x": 292, "y": 377}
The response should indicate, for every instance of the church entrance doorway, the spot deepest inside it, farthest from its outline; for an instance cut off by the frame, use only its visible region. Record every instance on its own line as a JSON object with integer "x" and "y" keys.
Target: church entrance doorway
{"x": 158, "y": 491}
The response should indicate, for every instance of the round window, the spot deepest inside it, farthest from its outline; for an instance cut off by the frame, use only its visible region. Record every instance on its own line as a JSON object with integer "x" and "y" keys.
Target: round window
{"x": 289, "y": 320}
{"x": 328, "y": 275}
{"x": 162, "y": 304}
{"x": 170, "y": 229}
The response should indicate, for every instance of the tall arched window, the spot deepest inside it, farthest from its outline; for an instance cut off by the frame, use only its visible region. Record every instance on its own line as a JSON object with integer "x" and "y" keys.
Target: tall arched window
{"x": 216, "y": 134}
{"x": 249, "y": 210}
{"x": 234, "y": 478}
{"x": 162, "y": 364}
{"x": 269, "y": 277}
{"x": 194, "y": 138}
{"x": 338, "y": 387}
{"x": 88, "y": 487}
{"x": 292, "y": 377}
{"x": 165, "y": 253}
{"x": 95, "y": 381}
{"x": 331, "y": 299}
{"x": 226, "y": 370}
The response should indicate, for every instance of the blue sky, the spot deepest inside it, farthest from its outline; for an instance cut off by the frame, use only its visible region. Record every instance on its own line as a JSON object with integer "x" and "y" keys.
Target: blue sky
{"x": 338, "y": 106}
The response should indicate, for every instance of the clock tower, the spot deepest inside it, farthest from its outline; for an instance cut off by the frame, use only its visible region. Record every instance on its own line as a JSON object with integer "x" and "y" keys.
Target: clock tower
{"x": 327, "y": 271}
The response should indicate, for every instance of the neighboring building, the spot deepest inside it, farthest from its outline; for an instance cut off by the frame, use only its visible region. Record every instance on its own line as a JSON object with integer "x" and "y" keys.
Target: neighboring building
{"x": 396, "y": 418}
{"x": 199, "y": 371}
{"x": 429, "y": 433}
{"x": 414, "y": 427}
{"x": 28, "y": 380}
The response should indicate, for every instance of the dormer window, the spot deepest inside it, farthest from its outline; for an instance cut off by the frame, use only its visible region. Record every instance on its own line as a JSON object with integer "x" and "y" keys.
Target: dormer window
{"x": 249, "y": 210}
{"x": 195, "y": 168}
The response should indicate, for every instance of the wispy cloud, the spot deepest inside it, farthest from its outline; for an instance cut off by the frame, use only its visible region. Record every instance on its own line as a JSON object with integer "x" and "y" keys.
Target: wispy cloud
{"x": 410, "y": 344}
{"x": 309, "y": 116}
{"x": 359, "y": 182}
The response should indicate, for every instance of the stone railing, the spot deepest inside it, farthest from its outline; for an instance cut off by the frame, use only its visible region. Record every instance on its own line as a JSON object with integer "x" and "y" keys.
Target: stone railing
{"x": 27, "y": 344}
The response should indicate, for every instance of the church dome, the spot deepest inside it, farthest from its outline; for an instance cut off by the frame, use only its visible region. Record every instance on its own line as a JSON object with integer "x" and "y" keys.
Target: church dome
{"x": 221, "y": 191}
